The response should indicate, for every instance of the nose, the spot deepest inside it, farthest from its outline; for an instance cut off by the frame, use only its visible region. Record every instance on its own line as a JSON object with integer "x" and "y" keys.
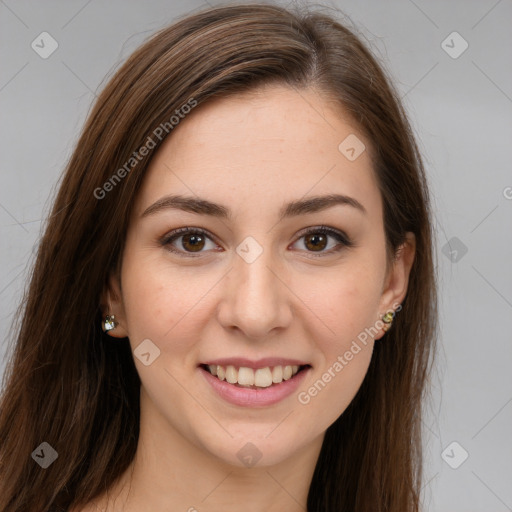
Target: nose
{"x": 255, "y": 298}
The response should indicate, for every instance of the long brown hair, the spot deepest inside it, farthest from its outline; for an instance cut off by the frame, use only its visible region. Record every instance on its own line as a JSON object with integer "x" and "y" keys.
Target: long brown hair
{"x": 68, "y": 385}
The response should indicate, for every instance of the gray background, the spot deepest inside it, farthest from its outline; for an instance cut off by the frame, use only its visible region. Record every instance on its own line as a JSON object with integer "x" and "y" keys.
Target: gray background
{"x": 461, "y": 111}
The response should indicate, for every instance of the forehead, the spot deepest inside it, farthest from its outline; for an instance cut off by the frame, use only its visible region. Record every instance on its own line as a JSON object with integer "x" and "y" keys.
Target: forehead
{"x": 275, "y": 143}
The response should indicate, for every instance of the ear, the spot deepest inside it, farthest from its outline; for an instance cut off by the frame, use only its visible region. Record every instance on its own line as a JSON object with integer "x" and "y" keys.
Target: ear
{"x": 112, "y": 304}
{"x": 397, "y": 279}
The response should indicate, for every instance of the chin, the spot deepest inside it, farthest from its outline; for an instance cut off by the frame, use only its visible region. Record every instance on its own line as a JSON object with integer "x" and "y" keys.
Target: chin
{"x": 255, "y": 449}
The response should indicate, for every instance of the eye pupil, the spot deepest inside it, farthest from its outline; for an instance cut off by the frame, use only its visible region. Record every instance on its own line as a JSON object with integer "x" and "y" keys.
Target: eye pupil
{"x": 318, "y": 241}
{"x": 196, "y": 241}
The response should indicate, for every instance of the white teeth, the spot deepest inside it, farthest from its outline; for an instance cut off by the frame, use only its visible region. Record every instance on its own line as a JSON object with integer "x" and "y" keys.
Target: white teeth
{"x": 277, "y": 374}
{"x": 231, "y": 374}
{"x": 246, "y": 376}
{"x": 262, "y": 377}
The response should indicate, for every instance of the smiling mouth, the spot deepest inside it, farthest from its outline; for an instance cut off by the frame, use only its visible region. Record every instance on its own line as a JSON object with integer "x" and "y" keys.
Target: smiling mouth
{"x": 260, "y": 378}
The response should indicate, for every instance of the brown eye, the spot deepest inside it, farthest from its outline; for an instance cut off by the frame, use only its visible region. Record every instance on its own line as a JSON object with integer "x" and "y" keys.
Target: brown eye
{"x": 187, "y": 241}
{"x": 315, "y": 241}
{"x": 193, "y": 242}
{"x": 324, "y": 241}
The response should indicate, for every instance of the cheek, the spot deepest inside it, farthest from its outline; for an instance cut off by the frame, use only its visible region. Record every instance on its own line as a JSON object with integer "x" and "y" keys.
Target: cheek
{"x": 345, "y": 299}
{"x": 347, "y": 303}
{"x": 333, "y": 387}
{"x": 163, "y": 303}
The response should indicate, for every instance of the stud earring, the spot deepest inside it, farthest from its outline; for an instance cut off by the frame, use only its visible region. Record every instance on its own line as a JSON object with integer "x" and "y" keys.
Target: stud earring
{"x": 109, "y": 323}
{"x": 110, "y": 320}
{"x": 388, "y": 320}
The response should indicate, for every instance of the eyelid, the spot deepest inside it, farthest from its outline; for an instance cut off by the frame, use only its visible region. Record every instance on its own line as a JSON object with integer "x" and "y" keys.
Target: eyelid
{"x": 327, "y": 230}
{"x": 176, "y": 233}
{"x": 344, "y": 241}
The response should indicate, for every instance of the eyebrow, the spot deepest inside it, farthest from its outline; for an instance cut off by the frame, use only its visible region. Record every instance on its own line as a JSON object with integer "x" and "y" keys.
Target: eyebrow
{"x": 292, "y": 209}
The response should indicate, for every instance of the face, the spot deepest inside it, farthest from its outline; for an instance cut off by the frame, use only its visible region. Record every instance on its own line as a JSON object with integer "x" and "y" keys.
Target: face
{"x": 273, "y": 256}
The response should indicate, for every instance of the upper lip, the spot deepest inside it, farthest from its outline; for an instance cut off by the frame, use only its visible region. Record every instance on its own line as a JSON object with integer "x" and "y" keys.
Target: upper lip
{"x": 260, "y": 363}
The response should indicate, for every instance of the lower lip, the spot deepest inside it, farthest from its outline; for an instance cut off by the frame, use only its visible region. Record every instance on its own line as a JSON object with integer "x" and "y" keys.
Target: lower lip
{"x": 248, "y": 397}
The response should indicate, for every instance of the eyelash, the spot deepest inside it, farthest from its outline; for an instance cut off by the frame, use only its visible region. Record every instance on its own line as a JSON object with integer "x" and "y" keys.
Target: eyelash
{"x": 343, "y": 240}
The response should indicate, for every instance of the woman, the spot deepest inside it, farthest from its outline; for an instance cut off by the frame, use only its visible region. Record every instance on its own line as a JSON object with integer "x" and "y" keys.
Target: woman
{"x": 233, "y": 303}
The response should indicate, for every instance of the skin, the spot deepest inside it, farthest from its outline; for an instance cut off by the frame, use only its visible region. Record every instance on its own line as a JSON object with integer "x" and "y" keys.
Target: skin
{"x": 251, "y": 153}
